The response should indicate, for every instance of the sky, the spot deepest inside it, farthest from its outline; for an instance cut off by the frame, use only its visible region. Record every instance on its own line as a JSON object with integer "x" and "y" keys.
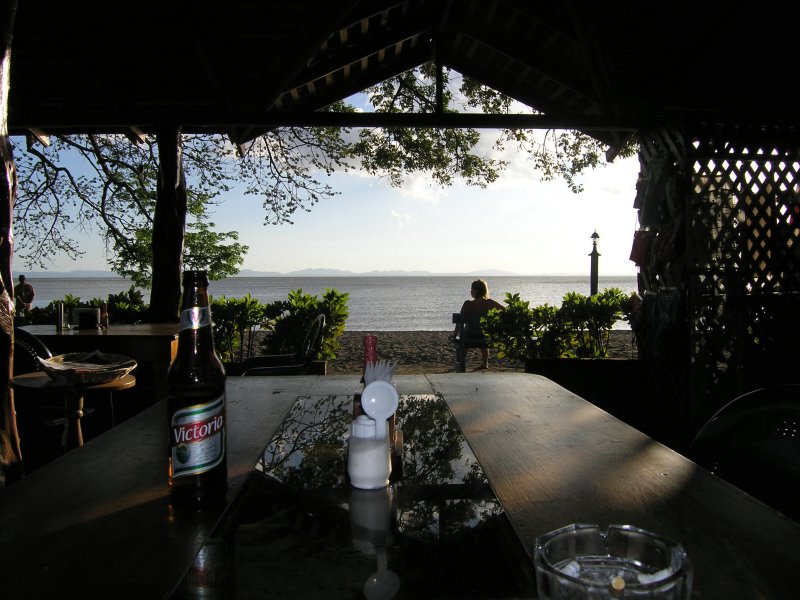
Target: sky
{"x": 516, "y": 224}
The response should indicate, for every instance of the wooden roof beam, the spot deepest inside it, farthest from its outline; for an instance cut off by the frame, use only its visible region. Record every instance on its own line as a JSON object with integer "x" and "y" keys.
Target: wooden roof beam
{"x": 219, "y": 123}
{"x": 135, "y": 135}
{"x": 36, "y": 134}
{"x": 295, "y": 58}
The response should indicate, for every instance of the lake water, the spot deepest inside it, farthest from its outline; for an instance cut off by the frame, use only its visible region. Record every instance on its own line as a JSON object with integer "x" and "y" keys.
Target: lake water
{"x": 375, "y": 303}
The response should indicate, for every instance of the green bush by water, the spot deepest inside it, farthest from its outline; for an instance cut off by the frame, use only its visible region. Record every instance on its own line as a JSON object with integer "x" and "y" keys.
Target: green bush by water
{"x": 579, "y": 328}
{"x": 237, "y": 321}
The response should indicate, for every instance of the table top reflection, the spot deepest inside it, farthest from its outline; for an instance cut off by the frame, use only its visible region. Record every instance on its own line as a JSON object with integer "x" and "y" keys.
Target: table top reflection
{"x": 437, "y": 530}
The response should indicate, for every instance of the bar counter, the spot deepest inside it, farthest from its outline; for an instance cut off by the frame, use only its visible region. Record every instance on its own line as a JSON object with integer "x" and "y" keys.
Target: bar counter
{"x": 97, "y": 522}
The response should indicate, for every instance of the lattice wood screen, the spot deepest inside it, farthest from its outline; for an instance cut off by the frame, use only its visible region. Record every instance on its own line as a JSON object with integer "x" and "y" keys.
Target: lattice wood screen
{"x": 744, "y": 278}
{"x": 730, "y": 253}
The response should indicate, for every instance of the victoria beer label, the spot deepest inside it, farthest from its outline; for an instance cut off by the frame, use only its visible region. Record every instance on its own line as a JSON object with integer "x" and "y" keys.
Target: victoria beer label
{"x": 196, "y": 402}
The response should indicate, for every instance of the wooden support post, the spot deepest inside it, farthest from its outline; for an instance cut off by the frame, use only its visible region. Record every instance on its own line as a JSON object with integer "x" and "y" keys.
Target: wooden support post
{"x": 10, "y": 454}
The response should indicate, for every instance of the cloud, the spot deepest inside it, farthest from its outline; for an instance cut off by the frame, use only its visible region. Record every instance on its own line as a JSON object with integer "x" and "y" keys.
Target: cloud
{"x": 401, "y": 218}
{"x": 419, "y": 186}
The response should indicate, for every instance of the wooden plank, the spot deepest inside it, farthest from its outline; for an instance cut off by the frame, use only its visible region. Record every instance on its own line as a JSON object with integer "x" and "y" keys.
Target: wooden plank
{"x": 554, "y": 459}
{"x": 97, "y": 522}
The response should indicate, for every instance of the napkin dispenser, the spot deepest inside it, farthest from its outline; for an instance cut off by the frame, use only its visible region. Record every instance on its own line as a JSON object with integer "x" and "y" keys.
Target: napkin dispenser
{"x": 86, "y": 318}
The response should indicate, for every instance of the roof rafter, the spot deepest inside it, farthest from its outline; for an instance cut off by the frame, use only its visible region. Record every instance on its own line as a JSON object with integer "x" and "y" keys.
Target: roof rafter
{"x": 294, "y": 59}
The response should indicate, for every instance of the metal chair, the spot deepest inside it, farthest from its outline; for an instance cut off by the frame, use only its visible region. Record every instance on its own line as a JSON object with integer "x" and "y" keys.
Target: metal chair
{"x": 27, "y": 348}
{"x": 469, "y": 334}
{"x": 42, "y": 427}
{"x": 296, "y": 363}
{"x": 754, "y": 443}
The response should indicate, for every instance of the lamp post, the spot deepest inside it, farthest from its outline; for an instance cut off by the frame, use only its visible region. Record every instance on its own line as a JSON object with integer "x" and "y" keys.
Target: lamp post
{"x": 593, "y": 273}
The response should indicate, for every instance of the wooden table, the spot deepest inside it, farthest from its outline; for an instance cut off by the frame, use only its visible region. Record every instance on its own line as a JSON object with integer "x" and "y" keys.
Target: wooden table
{"x": 42, "y": 384}
{"x": 97, "y": 521}
{"x": 152, "y": 345}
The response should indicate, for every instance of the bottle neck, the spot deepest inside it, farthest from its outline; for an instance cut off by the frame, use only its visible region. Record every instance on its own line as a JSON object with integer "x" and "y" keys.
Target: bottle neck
{"x": 195, "y": 319}
{"x": 194, "y": 295}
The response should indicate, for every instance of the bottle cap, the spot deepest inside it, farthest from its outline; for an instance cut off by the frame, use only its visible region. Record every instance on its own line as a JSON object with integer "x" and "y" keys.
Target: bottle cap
{"x": 364, "y": 427}
{"x": 192, "y": 278}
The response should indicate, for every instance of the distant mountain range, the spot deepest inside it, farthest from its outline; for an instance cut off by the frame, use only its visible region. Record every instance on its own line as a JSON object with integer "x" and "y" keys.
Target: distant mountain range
{"x": 60, "y": 274}
{"x": 300, "y": 273}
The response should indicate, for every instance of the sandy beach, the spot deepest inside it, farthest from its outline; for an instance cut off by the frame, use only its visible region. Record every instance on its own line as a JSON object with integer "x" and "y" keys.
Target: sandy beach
{"x": 432, "y": 352}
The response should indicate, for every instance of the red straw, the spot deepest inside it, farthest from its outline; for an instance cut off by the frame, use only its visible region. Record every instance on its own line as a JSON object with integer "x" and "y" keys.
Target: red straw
{"x": 370, "y": 349}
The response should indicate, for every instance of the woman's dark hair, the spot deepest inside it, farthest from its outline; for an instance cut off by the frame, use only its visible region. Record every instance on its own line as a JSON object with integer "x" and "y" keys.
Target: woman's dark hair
{"x": 481, "y": 288}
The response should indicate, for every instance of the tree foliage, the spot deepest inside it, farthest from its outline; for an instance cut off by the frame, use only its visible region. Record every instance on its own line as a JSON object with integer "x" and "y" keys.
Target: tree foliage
{"x": 449, "y": 153}
{"x": 85, "y": 184}
{"x": 81, "y": 184}
{"x": 443, "y": 153}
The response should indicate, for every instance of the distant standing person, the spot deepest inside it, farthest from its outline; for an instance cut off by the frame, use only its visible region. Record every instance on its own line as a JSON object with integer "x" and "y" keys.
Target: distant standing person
{"x": 23, "y": 296}
{"x": 480, "y": 304}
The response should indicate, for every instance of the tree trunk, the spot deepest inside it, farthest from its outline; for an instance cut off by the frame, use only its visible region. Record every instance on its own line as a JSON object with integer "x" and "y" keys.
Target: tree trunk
{"x": 169, "y": 226}
{"x": 10, "y": 455}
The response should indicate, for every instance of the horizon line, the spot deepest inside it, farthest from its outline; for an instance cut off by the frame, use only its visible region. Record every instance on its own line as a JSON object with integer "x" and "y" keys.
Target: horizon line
{"x": 334, "y": 273}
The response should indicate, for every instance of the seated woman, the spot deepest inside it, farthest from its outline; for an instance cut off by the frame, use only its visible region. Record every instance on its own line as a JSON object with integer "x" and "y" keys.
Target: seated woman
{"x": 480, "y": 304}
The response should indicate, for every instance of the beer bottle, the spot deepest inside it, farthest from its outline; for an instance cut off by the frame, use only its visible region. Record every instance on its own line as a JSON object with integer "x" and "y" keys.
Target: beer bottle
{"x": 198, "y": 471}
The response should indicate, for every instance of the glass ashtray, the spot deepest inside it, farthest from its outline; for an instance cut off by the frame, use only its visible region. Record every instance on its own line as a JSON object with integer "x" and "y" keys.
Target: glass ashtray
{"x": 583, "y": 561}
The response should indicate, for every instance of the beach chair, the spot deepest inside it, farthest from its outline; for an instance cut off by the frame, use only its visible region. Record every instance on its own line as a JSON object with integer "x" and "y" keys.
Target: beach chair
{"x": 296, "y": 363}
{"x": 468, "y": 335}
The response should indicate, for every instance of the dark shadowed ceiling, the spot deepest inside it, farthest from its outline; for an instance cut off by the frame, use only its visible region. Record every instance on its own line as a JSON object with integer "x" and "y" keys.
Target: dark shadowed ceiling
{"x": 239, "y": 66}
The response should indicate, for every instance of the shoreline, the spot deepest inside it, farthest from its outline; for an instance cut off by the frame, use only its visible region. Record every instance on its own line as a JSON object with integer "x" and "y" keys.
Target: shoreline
{"x": 416, "y": 352}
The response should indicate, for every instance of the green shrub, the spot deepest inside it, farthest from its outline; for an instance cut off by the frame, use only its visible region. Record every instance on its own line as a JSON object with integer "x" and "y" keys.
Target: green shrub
{"x": 579, "y": 328}
{"x": 511, "y": 329}
{"x": 47, "y": 315}
{"x": 125, "y": 307}
{"x": 591, "y": 318}
{"x": 293, "y": 316}
{"x": 237, "y": 321}
{"x": 335, "y": 308}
